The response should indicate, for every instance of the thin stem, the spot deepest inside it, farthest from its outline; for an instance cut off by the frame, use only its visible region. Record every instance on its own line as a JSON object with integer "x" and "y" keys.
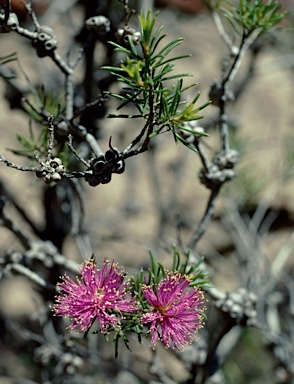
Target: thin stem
{"x": 88, "y": 107}
{"x": 10, "y": 164}
{"x": 204, "y": 159}
{"x": 33, "y": 276}
{"x": 7, "y": 10}
{"x": 30, "y": 11}
{"x": 135, "y": 141}
{"x": 221, "y": 31}
{"x": 76, "y": 174}
{"x": 7, "y": 193}
{"x": 81, "y": 131}
{"x": 66, "y": 69}
{"x": 70, "y": 145}
{"x": 224, "y": 133}
{"x": 77, "y": 209}
{"x": 13, "y": 228}
{"x": 245, "y": 44}
{"x": 51, "y": 137}
{"x": 42, "y": 113}
{"x": 205, "y": 219}
{"x": 69, "y": 96}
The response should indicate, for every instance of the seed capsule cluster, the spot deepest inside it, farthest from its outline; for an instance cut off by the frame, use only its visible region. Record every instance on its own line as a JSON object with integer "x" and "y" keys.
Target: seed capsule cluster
{"x": 103, "y": 166}
{"x": 51, "y": 171}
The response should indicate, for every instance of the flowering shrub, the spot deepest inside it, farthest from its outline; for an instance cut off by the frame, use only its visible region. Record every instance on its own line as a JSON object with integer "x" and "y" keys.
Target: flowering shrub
{"x": 117, "y": 60}
{"x": 173, "y": 313}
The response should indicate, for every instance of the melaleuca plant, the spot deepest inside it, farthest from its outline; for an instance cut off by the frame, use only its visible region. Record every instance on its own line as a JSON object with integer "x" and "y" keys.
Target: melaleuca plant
{"x": 147, "y": 73}
{"x": 166, "y": 303}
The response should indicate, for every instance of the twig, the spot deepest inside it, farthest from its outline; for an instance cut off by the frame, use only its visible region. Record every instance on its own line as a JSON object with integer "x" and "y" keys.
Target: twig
{"x": 222, "y": 32}
{"x": 245, "y": 44}
{"x": 4, "y": 191}
{"x": 90, "y": 139}
{"x": 135, "y": 141}
{"x": 69, "y": 96}
{"x": 30, "y": 11}
{"x": 71, "y": 147}
{"x": 89, "y": 106}
{"x": 41, "y": 113}
{"x": 66, "y": 69}
{"x": 18, "y": 167}
{"x": 33, "y": 276}
{"x": 77, "y": 209}
{"x": 223, "y": 126}
{"x": 205, "y": 219}
{"x": 51, "y": 137}
{"x": 7, "y": 8}
{"x": 10, "y": 225}
{"x": 224, "y": 133}
{"x": 204, "y": 159}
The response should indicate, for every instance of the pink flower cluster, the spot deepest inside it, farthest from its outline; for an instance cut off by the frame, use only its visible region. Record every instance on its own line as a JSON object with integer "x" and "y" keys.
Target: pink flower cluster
{"x": 97, "y": 295}
{"x": 174, "y": 313}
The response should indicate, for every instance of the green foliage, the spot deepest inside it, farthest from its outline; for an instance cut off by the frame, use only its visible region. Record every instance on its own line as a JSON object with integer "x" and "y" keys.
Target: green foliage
{"x": 42, "y": 102}
{"x": 251, "y": 15}
{"x": 39, "y": 103}
{"x": 155, "y": 274}
{"x": 197, "y": 273}
{"x": 34, "y": 142}
{"x": 147, "y": 73}
{"x": 212, "y": 5}
{"x": 5, "y": 60}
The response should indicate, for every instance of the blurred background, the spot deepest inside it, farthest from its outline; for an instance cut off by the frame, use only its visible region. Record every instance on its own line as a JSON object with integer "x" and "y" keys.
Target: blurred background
{"x": 160, "y": 192}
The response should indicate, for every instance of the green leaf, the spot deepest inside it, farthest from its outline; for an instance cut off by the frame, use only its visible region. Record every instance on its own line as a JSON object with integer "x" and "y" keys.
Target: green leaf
{"x": 183, "y": 141}
{"x": 159, "y": 63}
{"x": 194, "y": 132}
{"x": 119, "y": 48}
{"x": 156, "y": 39}
{"x": 8, "y": 58}
{"x": 168, "y": 48}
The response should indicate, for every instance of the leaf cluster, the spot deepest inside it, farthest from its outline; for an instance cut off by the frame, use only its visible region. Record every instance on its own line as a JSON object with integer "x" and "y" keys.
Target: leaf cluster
{"x": 196, "y": 272}
{"x": 44, "y": 103}
{"x": 251, "y": 15}
{"x": 38, "y": 105}
{"x": 34, "y": 142}
{"x": 147, "y": 73}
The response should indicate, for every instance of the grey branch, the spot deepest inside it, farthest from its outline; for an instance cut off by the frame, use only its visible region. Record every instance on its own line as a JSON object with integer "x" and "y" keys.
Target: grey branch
{"x": 33, "y": 276}
{"x": 13, "y": 228}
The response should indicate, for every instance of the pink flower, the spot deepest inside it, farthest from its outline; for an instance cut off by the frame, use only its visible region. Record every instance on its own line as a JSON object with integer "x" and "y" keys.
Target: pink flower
{"x": 100, "y": 294}
{"x": 176, "y": 314}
